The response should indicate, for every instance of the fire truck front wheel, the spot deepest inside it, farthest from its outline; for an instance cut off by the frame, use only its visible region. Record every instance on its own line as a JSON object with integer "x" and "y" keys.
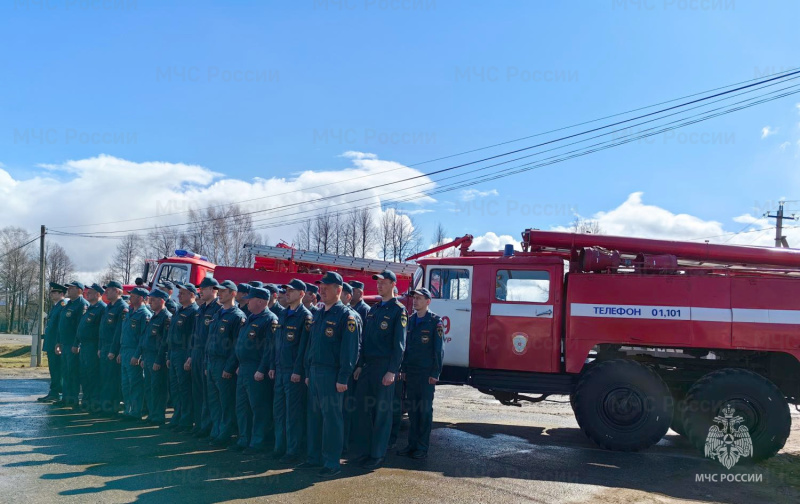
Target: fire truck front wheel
{"x": 622, "y": 405}
{"x": 720, "y": 403}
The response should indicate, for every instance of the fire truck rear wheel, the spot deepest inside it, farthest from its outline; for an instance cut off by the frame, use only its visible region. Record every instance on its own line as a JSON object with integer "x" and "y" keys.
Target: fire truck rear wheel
{"x": 677, "y": 418}
{"x": 756, "y": 400}
{"x": 623, "y": 405}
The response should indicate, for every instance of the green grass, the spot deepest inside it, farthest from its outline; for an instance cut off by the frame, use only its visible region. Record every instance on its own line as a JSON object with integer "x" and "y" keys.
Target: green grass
{"x": 17, "y": 356}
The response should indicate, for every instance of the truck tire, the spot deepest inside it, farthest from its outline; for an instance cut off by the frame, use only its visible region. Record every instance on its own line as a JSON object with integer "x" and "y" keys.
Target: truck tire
{"x": 677, "y": 418}
{"x": 622, "y": 405}
{"x": 754, "y": 398}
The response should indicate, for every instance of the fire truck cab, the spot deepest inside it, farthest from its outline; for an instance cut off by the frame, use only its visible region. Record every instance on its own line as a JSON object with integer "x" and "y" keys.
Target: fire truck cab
{"x": 643, "y": 335}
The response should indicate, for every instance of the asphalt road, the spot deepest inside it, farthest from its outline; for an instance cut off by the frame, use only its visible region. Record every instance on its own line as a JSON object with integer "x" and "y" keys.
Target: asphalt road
{"x": 481, "y": 452}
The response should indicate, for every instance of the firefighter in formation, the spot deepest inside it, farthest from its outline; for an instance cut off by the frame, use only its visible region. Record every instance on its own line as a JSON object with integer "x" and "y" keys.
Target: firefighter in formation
{"x": 303, "y": 373}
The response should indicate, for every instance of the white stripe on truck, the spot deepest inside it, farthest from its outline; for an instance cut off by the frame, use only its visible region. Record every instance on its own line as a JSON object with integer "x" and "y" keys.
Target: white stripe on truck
{"x": 696, "y": 313}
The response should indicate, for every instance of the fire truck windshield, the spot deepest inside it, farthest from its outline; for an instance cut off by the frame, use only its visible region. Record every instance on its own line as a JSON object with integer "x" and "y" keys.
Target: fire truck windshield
{"x": 175, "y": 273}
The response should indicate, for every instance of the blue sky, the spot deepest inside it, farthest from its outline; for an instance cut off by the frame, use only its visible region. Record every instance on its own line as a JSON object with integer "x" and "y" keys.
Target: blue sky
{"x": 320, "y": 78}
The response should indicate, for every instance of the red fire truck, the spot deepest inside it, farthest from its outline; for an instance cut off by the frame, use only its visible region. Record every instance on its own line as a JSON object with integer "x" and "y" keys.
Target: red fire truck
{"x": 277, "y": 265}
{"x": 641, "y": 334}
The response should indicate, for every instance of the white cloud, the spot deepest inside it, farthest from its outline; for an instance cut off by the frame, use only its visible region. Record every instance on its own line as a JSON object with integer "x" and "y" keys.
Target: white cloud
{"x": 471, "y": 194}
{"x": 797, "y": 106}
{"x": 767, "y": 131}
{"x": 637, "y": 219}
{"x": 493, "y": 242}
{"x": 359, "y": 155}
{"x": 785, "y": 145}
{"x": 105, "y": 189}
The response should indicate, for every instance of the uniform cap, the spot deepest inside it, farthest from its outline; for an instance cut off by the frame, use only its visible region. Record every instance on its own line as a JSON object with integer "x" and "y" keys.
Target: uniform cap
{"x": 160, "y": 294}
{"x": 189, "y": 287}
{"x": 140, "y": 291}
{"x": 77, "y": 284}
{"x": 209, "y": 282}
{"x": 331, "y": 278}
{"x": 228, "y": 284}
{"x": 258, "y": 293}
{"x": 422, "y": 292}
{"x": 57, "y": 287}
{"x": 389, "y": 275}
{"x": 295, "y": 284}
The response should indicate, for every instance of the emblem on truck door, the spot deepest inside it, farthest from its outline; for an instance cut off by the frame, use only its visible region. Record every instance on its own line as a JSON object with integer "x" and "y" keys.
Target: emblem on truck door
{"x": 519, "y": 343}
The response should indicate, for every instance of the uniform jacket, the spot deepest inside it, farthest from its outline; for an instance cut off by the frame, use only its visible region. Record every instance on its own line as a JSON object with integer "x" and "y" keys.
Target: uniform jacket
{"x": 384, "y": 334}
{"x": 333, "y": 341}
{"x": 424, "y": 345}
{"x": 70, "y": 318}
{"x": 111, "y": 327}
{"x": 88, "y": 332}
{"x": 291, "y": 341}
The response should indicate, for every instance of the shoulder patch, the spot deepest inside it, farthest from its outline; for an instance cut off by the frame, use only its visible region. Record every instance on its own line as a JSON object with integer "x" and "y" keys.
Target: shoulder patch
{"x": 63, "y": 303}
{"x": 351, "y": 323}
{"x": 403, "y": 319}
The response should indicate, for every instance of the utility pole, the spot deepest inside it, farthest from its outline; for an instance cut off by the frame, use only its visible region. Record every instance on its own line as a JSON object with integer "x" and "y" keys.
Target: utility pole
{"x": 36, "y": 357}
{"x": 780, "y": 240}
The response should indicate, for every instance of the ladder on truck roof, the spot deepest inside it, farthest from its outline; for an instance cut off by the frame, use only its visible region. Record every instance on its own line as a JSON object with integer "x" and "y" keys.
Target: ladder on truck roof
{"x": 355, "y": 263}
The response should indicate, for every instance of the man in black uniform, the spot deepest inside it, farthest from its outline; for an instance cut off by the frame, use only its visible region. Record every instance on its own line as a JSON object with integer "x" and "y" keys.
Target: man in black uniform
{"x": 381, "y": 356}
{"x": 57, "y": 292}
{"x": 331, "y": 355}
{"x": 422, "y": 365}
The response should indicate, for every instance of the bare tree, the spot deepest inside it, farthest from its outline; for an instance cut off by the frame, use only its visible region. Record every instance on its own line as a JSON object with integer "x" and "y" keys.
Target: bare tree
{"x": 366, "y": 232}
{"x": 302, "y": 239}
{"x": 439, "y": 236}
{"x": 220, "y": 234}
{"x": 586, "y": 226}
{"x": 322, "y": 232}
{"x": 59, "y": 265}
{"x": 386, "y": 229}
{"x": 18, "y": 268}
{"x": 407, "y": 238}
{"x": 126, "y": 258}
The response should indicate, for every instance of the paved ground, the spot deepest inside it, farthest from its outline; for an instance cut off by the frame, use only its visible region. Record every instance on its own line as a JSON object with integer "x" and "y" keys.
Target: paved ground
{"x": 482, "y": 452}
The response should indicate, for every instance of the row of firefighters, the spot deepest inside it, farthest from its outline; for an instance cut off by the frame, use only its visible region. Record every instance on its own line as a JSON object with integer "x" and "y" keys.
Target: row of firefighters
{"x": 306, "y": 373}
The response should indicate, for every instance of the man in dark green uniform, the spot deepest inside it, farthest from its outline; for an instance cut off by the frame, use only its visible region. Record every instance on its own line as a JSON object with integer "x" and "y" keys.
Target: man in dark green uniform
{"x": 331, "y": 355}
{"x": 254, "y": 390}
{"x": 357, "y": 301}
{"x": 67, "y": 327}
{"x": 422, "y": 365}
{"x": 152, "y": 356}
{"x": 110, "y": 334}
{"x": 222, "y": 334}
{"x": 349, "y": 407}
{"x": 178, "y": 342}
{"x": 196, "y": 363}
{"x": 310, "y": 299}
{"x": 169, "y": 288}
{"x": 57, "y": 292}
{"x": 242, "y": 290}
{"x": 381, "y": 356}
{"x": 86, "y": 346}
{"x": 291, "y": 341}
{"x": 134, "y": 324}
{"x": 273, "y": 305}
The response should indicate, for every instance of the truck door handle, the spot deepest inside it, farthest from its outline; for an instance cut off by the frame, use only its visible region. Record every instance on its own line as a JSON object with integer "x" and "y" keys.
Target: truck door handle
{"x": 462, "y": 309}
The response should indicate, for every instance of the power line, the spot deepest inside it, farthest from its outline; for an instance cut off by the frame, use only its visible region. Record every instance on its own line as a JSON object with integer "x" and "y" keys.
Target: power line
{"x": 18, "y": 248}
{"x": 526, "y": 167}
{"x": 781, "y": 76}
